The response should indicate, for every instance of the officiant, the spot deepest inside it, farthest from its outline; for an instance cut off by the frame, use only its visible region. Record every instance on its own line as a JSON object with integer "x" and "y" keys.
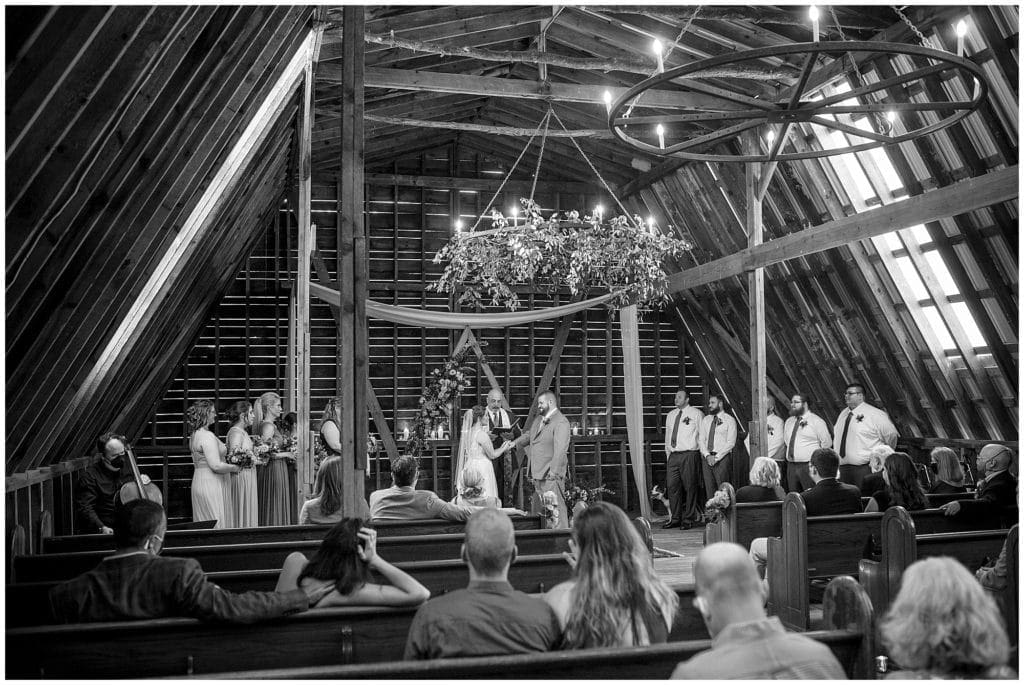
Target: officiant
{"x": 502, "y": 426}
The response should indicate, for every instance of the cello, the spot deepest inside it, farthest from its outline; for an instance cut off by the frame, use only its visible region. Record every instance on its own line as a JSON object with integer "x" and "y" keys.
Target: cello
{"x": 131, "y": 490}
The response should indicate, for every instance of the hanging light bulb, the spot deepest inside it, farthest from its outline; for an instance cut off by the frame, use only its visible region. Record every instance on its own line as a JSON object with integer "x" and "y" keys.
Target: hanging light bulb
{"x": 770, "y": 137}
{"x": 891, "y": 116}
{"x": 656, "y": 46}
{"x": 661, "y": 136}
{"x": 608, "y": 101}
{"x": 961, "y": 33}
{"x": 812, "y": 11}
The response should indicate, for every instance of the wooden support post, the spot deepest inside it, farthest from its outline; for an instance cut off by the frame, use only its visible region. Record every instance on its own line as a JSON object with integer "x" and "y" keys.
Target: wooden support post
{"x": 352, "y": 284}
{"x": 306, "y": 242}
{"x": 755, "y": 284}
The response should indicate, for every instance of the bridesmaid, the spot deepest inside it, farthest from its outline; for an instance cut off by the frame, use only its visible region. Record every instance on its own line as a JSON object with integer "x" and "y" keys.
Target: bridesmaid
{"x": 277, "y": 506}
{"x": 243, "y": 485}
{"x": 330, "y": 432}
{"x": 210, "y": 468}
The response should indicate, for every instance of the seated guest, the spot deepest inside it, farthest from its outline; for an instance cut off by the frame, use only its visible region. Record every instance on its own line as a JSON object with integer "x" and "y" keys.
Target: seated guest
{"x": 949, "y": 475}
{"x": 942, "y": 625}
{"x": 488, "y": 617}
{"x": 874, "y": 481}
{"x": 135, "y": 583}
{"x": 993, "y": 576}
{"x": 828, "y": 497}
{"x": 747, "y": 644}
{"x": 615, "y": 598}
{"x": 98, "y": 485}
{"x": 403, "y": 501}
{"x": 325, "y": 507}
{"x": 471, "y": 490}
{"x": 902, "y": 488}
{"x": 765, "y": 483}
{"x": 342, "y": 566}
{"x": 996, "y": 491}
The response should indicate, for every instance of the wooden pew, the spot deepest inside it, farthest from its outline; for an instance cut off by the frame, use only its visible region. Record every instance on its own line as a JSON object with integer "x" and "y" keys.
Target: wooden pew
{"x": 907, "y": 538}
{"x": 178, "y": 647}
{"x": 824, "y": 546}
{"x": 250, "y": 536}
{"x": 29, "y": 602}
{"x": 848, "y": 634}
{"x": 61, "y": 566}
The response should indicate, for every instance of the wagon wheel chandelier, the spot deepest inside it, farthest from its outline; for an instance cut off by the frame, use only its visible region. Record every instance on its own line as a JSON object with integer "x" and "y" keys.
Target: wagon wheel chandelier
{"x": 687, "y": 134}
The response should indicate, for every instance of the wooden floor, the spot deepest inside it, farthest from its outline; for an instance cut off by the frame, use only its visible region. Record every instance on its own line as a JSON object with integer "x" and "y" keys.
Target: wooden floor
{"x": 688, "y": 543}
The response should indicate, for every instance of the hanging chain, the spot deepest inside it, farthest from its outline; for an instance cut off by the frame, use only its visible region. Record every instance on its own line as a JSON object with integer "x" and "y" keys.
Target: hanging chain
{"x": 540, "y": 153}
{"x": 842, "y": 36}
{"x": 597, "y": 173}
{"x": 917, "y": 32}
{"x": 505, "y": 180}
{"x": 686, "y": 27}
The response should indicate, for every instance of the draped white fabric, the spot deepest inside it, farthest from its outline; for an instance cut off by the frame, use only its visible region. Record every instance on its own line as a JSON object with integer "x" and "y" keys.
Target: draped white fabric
{"x": 457, "y": 320}
{"x": 634, "y": 392}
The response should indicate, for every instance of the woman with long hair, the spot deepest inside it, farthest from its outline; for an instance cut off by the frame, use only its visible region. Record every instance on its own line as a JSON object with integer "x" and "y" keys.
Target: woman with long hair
{"x": 943, "y": 625}
{"x": 278, "y": 505}
{"x": 325, "y": 507}
{"x": 949, "y": 475}
{"x": 476, "y": 450}
{"x": 615, "y": 599}
{"x": 243, "y": 490}
{"x": 330, "y": 427}
{"x": 210, "y": 469}
{"x": 902, "y": 488}
{"x": 765, "y": 479}
{"x": 344, "y": 560}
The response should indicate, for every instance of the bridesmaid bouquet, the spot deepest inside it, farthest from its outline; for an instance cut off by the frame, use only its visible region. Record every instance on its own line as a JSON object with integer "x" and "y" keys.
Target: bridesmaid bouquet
{"x": 289, "y": 447}
{"x": 261, "y": 450}
{"x": 241, "y": 457}
{"x": 716, "y": 506}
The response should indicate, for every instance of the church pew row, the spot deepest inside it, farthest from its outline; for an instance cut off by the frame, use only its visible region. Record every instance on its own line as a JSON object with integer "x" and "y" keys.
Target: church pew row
{"x": 28, "y": 603}
{"x": 744, "y": 522}
{"x": 824, "y": 546}
{"x": 849, "y": 634}
{"x": 61, "y": 566}
{"x": 251, "y": 536}
{"x": 902, "y": 545}
{"x": 178, "y": 647}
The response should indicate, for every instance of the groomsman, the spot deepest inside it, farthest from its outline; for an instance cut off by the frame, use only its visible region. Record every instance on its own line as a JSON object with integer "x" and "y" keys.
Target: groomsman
{"x": 683, "y": 463}
{"x": 804, "y": 433}
{"x": 776, "y": 448}
{"x": 859, "y": 428}
{"x": 501, "y": 425}
{"x": 716, "y": 439}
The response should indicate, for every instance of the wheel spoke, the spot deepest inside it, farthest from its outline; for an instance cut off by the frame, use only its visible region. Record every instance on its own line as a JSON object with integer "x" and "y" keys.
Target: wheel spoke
{"x": 726, "y": 132}
{"x": 882, "y": 85}
{"x": 693, "y": 117}
{"x": 895, "y": 107}
{"x": 727, "y": 95}
{"x": 852, "y": 130}
{"x": 805, "y": 74}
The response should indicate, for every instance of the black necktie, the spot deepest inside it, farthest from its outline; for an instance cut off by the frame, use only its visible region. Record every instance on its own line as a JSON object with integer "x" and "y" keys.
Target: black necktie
{"x": 792, "y": 439}
{"x": 842, "y": 440}
{"x": 711, "y": 434}
{"x": 675, "y": 429}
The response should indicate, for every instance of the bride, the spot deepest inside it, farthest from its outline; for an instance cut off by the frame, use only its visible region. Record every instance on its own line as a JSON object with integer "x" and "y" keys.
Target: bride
{"x": 476, "y": 450}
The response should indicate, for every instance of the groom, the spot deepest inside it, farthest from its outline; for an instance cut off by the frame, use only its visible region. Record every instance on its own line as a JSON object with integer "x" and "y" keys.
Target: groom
{"x": 548, "y": 448}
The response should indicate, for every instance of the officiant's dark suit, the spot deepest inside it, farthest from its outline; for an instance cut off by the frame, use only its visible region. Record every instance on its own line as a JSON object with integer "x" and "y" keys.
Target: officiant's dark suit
{"x": 501, "y": 421}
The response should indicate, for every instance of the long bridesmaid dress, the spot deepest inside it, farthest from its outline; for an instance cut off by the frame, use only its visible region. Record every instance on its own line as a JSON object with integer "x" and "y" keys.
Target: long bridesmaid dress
{"x": 244, "y": 500}
{"x": 276, "y": 485}
{"x": 207, "y": 490}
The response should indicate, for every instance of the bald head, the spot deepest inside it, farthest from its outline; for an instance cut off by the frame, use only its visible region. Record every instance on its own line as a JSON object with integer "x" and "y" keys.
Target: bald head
{"x": 546, "y": 401}
{"x": 993, "y": 457}
{"x": 725, "y": 576}
{"x": 490, "y": 542}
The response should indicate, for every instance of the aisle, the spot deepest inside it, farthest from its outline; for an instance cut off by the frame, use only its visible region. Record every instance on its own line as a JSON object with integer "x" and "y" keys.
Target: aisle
{"x": 677, "y": 570}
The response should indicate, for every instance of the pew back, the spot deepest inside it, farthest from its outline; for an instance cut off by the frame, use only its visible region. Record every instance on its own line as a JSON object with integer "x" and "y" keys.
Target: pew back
{"x": 268, "y": 534}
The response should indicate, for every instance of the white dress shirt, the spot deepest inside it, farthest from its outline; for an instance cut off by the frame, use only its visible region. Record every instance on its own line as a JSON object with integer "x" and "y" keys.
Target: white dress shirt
{"x": 689, "y": 423}
{"x": 869, "y": 427}
{"x": 809, "y": 437}
{"x": 725, "y": 435}
{"x": 775, "y": 443}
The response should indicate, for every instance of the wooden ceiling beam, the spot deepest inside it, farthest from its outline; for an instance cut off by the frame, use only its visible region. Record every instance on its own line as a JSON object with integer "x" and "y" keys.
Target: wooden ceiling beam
{"x": 402, "y": 59}
{"x": 975, "y": 193}
{"x": 515, "y": 88}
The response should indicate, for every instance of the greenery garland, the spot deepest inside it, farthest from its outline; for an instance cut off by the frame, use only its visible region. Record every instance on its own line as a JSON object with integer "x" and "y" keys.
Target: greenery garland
{"x": 618, "y": 255}
{"x": 444, "y": 387}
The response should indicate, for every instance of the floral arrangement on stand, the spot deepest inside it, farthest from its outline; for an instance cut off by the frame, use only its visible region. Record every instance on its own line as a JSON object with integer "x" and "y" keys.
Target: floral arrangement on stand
{"x": 444, "y": 387}
{"x": 241, "y": 457}
{"x": 621, "y": 254}
{"x": 578, "y": 494}
{"x": 716, "y": 506}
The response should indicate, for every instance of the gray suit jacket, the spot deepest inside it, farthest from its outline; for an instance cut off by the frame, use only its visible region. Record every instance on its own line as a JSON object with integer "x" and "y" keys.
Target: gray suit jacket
{"x": 548, "y": 447}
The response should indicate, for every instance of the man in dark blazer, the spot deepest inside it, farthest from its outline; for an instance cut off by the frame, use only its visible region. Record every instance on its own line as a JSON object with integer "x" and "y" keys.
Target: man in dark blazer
{"x": 136, "y": 584}
{"x": 828, "y": 496}
{"x": 502, "y": 425}
{"x": 996, "y": 492}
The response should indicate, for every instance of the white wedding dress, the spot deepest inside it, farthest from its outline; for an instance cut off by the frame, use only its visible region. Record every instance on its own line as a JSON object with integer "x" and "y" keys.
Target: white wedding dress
{"x": 476, "y": 458}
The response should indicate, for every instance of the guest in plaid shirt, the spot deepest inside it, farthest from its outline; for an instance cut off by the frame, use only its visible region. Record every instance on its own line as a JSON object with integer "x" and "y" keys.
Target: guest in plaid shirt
{"x": 136, "y": 583}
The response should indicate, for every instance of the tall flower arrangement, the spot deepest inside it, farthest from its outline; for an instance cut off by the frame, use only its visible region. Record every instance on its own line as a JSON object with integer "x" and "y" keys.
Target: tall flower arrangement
{"x": 443, "y": 388}
{"x": 620, "y": 254}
